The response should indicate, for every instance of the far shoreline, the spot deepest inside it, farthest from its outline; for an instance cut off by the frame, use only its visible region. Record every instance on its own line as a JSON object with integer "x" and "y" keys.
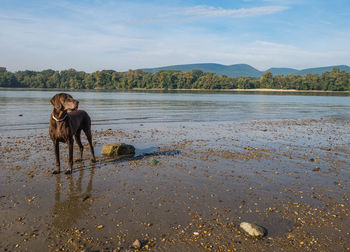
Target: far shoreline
{"x": 243, "y": 90}
{"x": 263, "y": 90}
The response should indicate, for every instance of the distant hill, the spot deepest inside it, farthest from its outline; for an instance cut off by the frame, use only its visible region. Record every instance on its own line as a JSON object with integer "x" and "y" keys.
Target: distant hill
{"x": 232, "y": 70}
{"x": 320, "y": 70}
{"x": 238, "y": 70}
{"x": 282, "y": 71}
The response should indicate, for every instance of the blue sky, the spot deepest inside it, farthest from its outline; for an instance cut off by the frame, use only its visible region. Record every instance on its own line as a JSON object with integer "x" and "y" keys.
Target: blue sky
{"x": 120, "y": 35}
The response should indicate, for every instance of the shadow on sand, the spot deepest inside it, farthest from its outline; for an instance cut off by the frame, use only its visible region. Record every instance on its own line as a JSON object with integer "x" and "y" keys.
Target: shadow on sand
{"x": 102, "y": 161}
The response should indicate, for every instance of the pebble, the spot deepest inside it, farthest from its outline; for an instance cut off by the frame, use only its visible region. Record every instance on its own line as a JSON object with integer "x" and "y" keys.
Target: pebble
{"x": 252, "y": 229}
{"x": 136, "y": 244}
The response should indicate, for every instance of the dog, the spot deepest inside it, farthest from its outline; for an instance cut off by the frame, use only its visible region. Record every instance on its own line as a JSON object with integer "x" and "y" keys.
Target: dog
{"x": 65, "y": 125}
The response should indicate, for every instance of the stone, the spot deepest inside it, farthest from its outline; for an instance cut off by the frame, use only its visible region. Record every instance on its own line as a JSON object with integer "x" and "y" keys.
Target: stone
{"x": 136, "y": 244}
{"x": 118, "y": 149}
{"x": 253, "y": 229}
{"x": 316, "y": 169}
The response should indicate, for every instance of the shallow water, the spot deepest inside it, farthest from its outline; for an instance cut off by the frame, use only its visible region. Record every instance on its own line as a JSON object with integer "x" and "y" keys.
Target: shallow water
{"x": 22, "y": 110}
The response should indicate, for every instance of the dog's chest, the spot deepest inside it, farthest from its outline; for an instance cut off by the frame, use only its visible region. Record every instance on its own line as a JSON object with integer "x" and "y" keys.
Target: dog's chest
{"x": 60, "y": 131}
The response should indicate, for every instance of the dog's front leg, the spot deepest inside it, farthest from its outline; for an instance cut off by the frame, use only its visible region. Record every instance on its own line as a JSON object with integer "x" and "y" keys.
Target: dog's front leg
{"x": 56, "y": 146}
{"x": 70, "y": 158}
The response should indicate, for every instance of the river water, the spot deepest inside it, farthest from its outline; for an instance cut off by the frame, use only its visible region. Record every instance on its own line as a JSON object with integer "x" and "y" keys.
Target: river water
{"x": 24, "y": 110}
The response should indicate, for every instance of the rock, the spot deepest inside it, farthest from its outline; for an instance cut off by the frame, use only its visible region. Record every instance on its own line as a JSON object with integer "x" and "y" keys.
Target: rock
{"x": 253, "y": 229}
{"x": 118, "y": 149}
{"x": 136, "y": 244}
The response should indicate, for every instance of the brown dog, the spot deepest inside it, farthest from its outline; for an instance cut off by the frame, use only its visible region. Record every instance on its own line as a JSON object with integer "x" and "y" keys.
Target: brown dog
{"x": 64, "y": 125}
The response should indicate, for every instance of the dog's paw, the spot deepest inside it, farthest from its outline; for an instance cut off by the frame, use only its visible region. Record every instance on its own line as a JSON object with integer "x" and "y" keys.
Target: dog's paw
{"x": 56, "y": 172}
{"x": 68, "y": 172}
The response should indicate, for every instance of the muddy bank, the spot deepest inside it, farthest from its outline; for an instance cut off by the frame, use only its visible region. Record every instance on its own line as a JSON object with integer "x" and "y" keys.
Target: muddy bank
{"x": 188, "y": 188}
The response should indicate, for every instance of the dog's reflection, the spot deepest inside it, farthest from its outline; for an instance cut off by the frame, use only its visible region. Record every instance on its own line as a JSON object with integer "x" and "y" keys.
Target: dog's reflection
{"x": 72, "y": 204}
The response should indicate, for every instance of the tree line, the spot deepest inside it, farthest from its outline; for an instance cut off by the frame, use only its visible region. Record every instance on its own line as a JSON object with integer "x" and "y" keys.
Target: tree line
{"x": 334, "y": 80}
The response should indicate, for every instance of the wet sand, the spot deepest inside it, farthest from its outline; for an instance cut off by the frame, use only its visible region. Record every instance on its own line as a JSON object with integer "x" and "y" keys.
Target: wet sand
{"x": 187, "y": 189}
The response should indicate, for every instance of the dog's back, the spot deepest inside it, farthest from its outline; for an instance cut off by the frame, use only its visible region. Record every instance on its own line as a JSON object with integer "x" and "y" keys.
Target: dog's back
{"x": 80, "y": 120}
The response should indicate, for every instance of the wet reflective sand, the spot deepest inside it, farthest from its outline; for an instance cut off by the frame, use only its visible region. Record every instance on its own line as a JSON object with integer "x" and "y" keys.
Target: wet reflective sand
{"x": 290, "y": 176}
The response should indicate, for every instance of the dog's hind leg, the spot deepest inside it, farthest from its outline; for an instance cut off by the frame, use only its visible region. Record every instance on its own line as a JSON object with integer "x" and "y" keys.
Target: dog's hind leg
{"x": 87, "y": 132}
{"x": 81, "y": 147}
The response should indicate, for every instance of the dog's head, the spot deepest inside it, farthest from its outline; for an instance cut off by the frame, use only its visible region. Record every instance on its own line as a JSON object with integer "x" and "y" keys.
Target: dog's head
{"x": 63, "y": 102}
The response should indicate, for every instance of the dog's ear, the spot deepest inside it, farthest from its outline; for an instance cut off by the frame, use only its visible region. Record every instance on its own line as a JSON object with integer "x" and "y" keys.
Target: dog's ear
{"x": 56, "y": 103}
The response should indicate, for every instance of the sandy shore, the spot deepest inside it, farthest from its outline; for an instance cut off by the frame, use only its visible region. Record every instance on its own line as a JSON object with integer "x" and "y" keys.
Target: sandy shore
{"x": 244, "y": 90}
{"x": 187, "y": 189}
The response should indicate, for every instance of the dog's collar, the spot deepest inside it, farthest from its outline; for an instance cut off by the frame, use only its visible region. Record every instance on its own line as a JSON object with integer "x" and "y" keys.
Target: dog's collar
{"x": 59, "y": 120}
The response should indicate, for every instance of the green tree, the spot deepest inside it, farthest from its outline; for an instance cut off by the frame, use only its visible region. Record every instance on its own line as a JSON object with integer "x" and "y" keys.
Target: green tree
{"x": 266, "y": 80}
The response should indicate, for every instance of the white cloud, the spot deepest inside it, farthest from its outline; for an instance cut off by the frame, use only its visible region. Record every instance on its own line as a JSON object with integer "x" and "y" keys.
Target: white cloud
{"x": 208, "y": 11}
{"x": 126, "y": 37}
